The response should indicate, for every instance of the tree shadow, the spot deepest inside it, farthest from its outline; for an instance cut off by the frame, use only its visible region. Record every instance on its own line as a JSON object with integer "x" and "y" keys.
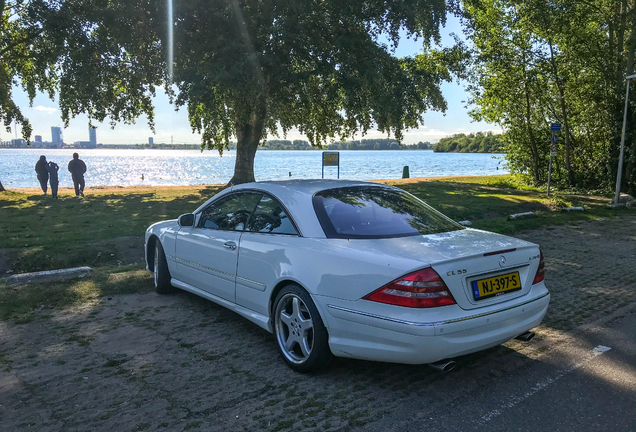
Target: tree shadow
{"x": 69, "y": 231}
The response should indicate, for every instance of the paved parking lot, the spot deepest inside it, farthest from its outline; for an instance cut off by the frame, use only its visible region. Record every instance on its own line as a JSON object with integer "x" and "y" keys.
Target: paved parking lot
{"x": 148, "y": 362}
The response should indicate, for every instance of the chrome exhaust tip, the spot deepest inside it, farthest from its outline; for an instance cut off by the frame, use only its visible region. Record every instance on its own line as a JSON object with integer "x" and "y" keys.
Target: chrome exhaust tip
{"x": 443, "y": 365}
{"x": 526, "y": 336}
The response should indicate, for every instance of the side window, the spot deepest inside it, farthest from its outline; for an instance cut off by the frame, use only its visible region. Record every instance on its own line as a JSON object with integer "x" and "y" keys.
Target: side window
{"x": 269, "y": 217}
{"x": 231, "y": 213}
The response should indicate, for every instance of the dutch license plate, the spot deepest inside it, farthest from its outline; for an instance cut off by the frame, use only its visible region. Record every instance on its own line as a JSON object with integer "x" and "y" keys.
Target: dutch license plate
{"x": 494, "y": 286}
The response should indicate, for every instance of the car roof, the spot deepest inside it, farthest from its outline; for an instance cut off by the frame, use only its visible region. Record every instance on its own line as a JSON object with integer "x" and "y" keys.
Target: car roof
{"x": 306, "y": 186}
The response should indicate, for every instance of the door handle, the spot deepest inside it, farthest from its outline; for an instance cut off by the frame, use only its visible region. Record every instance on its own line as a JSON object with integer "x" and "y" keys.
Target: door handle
{"x": 230, "y": 245}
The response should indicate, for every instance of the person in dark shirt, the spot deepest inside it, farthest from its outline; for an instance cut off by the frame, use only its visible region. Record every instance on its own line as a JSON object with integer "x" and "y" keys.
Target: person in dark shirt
{"x": 42, "y": 172}
{"x": 53, "y": 169}
{"x": 77, "y": 168}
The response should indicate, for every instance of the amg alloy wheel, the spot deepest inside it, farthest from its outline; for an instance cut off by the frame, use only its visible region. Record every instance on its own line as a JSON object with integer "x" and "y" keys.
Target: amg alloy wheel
{"x": 301, "y": 337}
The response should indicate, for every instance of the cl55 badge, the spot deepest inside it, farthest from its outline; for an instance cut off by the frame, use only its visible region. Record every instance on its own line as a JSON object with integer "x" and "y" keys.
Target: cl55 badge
{"x": 456, "y": 272}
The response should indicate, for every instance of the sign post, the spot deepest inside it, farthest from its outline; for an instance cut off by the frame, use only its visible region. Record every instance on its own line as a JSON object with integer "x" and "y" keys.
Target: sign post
{"x": 330, "y": 159}
{"x": 554, "y": 128}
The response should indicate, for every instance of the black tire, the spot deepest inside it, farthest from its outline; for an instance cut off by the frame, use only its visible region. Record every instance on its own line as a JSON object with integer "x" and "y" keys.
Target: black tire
{"x": 303, "y": 345}
{"x": 160, "y": 271}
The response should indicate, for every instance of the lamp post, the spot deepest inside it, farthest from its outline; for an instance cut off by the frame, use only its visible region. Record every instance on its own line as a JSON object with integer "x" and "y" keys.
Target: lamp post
{"x": 620, "y": 158}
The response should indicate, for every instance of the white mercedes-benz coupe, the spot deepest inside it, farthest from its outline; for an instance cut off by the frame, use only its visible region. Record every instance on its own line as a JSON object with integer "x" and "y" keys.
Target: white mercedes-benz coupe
{"x": 352, "y": 269}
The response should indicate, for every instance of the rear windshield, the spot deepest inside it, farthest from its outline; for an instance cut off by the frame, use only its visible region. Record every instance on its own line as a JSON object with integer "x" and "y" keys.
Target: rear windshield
{"x": 377, "y": 212}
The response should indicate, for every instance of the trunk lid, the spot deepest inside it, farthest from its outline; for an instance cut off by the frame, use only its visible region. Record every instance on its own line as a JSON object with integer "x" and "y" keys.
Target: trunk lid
{"x": 458, "y": 257}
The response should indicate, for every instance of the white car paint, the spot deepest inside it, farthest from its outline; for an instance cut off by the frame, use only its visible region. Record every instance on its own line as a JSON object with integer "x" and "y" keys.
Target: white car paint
{"x": 337, "y": 273}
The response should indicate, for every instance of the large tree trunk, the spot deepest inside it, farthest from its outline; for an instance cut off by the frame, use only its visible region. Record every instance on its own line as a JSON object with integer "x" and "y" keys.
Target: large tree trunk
{"x": 248, "y": 136}
{"x": 533, "y": 144}
{"x": 564, "y": 114}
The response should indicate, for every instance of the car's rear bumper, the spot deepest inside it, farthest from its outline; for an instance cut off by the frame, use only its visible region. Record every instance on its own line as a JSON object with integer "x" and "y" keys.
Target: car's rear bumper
{"x": 365, "y": 336}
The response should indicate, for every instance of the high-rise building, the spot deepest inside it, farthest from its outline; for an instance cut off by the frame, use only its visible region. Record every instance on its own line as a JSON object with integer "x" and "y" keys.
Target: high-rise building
{"x": 56, "y": 136}
{"x": 150, "y": 140}
{"x": 38, "y": 138}
{"x": 92, "y": 134}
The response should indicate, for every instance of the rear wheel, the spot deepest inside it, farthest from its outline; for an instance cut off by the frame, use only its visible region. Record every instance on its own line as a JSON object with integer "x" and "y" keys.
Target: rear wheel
{"x": 160, "y": 271}
{"x": 301, "y": 336}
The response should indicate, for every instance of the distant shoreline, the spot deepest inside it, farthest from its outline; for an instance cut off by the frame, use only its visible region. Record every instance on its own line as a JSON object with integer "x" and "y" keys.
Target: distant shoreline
{"x": 189, "y": 148}
{"x": 101, "y": 190}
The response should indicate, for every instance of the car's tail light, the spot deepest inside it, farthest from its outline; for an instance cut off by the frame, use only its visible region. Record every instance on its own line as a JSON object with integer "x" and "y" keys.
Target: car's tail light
{"x": 540, "y": 271}
{"x": 420, "y": 289}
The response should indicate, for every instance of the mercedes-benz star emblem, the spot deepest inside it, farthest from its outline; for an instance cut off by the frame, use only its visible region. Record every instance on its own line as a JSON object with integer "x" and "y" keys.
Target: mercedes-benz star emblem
{"x": 502, "y": 261}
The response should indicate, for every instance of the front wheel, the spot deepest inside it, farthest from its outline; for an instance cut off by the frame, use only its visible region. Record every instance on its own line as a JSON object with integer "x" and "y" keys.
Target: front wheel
{"x": 301, "y": 336}
{"x": 160, "y": 271}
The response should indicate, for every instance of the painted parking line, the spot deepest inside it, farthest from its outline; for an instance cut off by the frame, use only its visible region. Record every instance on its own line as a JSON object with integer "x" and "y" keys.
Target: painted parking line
{"x": 515, "y": 400}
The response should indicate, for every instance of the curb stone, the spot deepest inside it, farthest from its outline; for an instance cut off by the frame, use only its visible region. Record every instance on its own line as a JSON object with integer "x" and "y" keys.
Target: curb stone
{"x": 521, "y": 215}
{"x": 49, "y": 276}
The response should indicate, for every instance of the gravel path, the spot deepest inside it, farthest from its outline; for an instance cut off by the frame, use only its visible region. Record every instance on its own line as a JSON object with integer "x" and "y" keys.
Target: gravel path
{"x": 149, "y": 362}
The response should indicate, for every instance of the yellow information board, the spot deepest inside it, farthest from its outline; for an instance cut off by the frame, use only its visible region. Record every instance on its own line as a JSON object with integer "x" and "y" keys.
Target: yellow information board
{"x": 330, "y": 159}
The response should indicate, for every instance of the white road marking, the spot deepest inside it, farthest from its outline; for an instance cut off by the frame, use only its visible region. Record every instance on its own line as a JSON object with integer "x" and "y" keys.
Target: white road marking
{"x": 515, "y": 400}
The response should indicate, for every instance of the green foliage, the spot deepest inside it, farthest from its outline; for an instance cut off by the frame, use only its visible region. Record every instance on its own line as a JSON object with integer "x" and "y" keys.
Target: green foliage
{"x": 472, "y": 143}
{"x": 93, "y": 54}
{"x": 313, "y": 65}
{"x": 243, "y": 69}
{"x": 316, "y": 65}
{"x": 287, "y": 145}
{"x": 536, "y": 62}
{"x": 378, "y": 144}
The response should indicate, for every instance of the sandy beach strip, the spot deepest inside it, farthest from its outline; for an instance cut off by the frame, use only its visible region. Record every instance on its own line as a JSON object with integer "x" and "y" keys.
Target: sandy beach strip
{"x": 101, "y": 190}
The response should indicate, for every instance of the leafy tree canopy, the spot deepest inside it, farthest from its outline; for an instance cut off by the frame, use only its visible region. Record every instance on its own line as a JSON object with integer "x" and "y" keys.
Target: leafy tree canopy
{"x": 91, "y": 54}
{"x": 242, "y": 68}
{"x": 246, "y": 68}
{"x": 537, "y": 61}
{"x": 471, "y": 143}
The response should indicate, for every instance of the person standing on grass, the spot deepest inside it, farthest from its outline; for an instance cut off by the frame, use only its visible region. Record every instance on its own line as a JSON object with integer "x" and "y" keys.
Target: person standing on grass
{"x": 42, "y": 172}
{"x": 77, "y": 168}
{"x": 53, "y": 169}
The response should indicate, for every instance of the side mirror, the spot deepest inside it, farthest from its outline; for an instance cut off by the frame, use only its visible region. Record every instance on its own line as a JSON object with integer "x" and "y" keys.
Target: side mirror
{"x": 186, "y": 220}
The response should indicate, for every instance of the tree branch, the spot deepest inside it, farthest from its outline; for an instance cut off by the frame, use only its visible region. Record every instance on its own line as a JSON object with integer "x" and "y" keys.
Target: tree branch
{"x": 26, "y": 40}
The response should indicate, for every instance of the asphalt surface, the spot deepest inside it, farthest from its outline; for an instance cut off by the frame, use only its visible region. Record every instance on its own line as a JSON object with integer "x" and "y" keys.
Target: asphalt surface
{"x": 586, "y": 382}
{"x": 142, "y": 362}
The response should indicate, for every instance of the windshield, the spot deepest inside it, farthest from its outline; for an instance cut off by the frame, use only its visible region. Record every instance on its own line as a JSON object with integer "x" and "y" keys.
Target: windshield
{"x": 377, "y": 212}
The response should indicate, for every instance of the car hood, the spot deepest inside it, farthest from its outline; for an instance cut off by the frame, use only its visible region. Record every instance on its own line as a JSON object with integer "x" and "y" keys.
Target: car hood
{"x": 433, "y": 248}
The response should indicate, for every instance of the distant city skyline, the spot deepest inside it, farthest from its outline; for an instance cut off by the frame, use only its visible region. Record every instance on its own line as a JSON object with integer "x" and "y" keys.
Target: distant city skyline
{"x": 174, "y": 125}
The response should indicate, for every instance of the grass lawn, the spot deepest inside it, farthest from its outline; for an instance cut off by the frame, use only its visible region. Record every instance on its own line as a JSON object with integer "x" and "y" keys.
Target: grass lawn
{"x": 19, "y": 303}
{"x": 487, "y": 201}
{"x": 105, "y": 230}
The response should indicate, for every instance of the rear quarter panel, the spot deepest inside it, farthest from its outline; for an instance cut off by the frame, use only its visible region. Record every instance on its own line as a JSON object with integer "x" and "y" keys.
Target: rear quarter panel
{"x": 328, "y": 268}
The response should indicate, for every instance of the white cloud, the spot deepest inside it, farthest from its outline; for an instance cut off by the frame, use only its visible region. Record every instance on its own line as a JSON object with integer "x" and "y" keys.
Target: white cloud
{"x": 48, "y": 110}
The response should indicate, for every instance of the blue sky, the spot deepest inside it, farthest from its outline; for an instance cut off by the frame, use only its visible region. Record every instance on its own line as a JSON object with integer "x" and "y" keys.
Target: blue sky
{"x": 45, "y": 113}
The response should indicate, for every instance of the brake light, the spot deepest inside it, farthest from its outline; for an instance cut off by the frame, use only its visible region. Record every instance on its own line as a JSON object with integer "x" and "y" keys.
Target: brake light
{"x": 540, "y": 271}
{"x": 499, "y": 252}
{"x": 420, "y": 289}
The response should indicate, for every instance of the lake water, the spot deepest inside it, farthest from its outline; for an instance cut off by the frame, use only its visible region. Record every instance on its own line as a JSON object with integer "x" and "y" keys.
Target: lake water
{"x": 110, "y": 167}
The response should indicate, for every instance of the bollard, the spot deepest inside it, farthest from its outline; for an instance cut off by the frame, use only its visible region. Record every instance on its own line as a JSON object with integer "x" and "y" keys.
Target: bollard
{"x": 405, "y": 172}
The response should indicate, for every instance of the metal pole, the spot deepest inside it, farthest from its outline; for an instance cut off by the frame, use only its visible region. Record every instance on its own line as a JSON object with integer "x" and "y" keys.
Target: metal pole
{"x": 549, "y": 174}
{"x": 619, "y": 174}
